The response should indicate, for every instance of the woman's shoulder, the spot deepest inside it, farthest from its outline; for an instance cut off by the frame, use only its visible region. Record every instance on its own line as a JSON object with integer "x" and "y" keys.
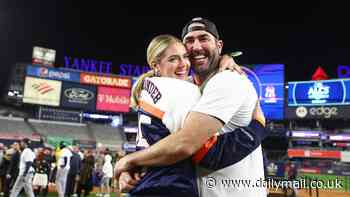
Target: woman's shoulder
{"x": 167, "y": 82}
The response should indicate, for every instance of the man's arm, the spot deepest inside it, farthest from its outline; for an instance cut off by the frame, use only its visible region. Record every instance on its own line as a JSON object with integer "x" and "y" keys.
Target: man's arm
{"x": 198, "y": 128}
{"x": 219, "y": 100}
{"x": 256, "y": 129}
{"x": 215, "y": 158}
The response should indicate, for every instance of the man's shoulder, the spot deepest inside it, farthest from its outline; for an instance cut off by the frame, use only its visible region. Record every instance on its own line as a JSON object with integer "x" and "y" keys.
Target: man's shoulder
{"x": 66, "y": 152}
{"x": 27, "y": 151}
{"x": 228, "y": 79}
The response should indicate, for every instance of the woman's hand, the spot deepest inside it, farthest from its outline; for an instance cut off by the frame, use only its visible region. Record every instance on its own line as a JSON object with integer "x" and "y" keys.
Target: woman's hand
{"x": 258, "y": 114}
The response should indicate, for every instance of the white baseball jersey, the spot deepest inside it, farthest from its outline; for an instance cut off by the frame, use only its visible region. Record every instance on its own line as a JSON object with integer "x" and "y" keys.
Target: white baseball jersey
{"x": 65, "y": 153}
{"x": 169, "y": 99}
{"x": 228, "y": 95}
{"x": 163, "y": 106}
{"x": 26, "y": 156}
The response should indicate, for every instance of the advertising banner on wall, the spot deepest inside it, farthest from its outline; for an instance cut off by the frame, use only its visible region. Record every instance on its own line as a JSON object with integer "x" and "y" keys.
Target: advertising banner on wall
{"x": 324, "y": 99}
{"x": 319, "y": 93}
{"x": 42, "y": 91}
{"x": 113, "y": 99}
{"x": 78, "y": 96}
{"x": 53, "y": 73}
{"x": 318, "y": 112}
{"x": 43, "y": 56}
{"x": 268, "y": 80}
{"x": 114, "y": 81}
{"x": 58, "y": 114}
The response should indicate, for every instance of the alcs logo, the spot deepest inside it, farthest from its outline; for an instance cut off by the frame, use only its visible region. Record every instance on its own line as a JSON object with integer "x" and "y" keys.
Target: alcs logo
{"x": 318, "y": 93}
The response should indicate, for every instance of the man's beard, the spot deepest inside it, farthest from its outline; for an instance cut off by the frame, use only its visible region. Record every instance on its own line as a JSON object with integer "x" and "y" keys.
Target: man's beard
{"x": 205, "y": 71}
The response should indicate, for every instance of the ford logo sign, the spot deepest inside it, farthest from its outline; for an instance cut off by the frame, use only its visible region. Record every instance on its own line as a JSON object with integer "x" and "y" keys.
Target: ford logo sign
{"x": 79, "y": 94}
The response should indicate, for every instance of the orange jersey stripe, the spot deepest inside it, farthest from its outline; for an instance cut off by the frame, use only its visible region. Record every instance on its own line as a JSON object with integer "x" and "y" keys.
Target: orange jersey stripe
{"x": 198, "y": 156}
{"x": 151, "y": 109}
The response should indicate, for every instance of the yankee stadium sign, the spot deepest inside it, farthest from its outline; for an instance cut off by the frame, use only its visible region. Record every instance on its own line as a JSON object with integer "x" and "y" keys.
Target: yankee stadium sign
{"x": 88, "y": 65}
{"x": 104, "y": 67}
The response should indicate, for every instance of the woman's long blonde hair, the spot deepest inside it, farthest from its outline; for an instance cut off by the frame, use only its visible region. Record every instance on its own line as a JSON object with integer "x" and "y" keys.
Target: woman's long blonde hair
{"x": 155, "y": 50}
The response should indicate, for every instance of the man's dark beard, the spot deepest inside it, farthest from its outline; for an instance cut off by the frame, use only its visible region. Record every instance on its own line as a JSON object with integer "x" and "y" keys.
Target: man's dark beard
{"x": 213, "y": 64}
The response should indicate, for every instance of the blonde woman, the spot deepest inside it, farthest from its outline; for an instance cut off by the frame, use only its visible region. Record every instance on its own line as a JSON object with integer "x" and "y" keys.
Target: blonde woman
{"x": 159, "y": 115}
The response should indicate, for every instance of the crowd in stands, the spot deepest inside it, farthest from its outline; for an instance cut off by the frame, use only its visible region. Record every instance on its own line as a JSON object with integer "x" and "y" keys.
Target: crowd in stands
{"x": 68, "y": 169}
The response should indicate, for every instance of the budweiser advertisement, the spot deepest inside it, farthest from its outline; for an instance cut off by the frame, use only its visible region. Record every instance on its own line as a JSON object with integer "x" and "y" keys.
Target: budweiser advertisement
{"x": 42, "y": 91}
{"x": 113, "y": 99}
{"x": 114, "y": 81}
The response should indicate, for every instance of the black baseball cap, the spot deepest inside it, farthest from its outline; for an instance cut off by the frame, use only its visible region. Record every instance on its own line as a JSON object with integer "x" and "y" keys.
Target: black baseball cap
{"x": 26, "y": 141}
{"x": 200, "y": 23}
{"x": 63, "y": 144}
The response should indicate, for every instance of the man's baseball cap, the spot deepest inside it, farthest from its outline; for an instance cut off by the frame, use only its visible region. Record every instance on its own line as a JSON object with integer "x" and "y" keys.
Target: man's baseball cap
{"x": 26, "y": 141}
{"x": 63, "y": 144}
{"x": 200, "y": 23}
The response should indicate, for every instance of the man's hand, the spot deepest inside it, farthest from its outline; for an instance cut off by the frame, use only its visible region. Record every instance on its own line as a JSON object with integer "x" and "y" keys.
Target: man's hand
{"x": 77, "y": 178}
{"x": 127, "y": 181}
{"x": 123, "y": 165}
{"x": 228, "y": 63}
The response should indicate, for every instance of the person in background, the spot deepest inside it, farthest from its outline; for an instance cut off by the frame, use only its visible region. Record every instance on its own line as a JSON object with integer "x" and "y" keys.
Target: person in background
{"x": 2, "y": 152}
{"x": 4, "y": 162}
{"x": 107, "y": 174}
{"x": 12, "y": 171}
{"x": 26, "y": 170}
{"x": 42, "y": 169}
{"x": 63, "y": 169}
{"x": 49, "y": 160}
{"x": 98, "y": 174}
{"x": 53, "y": 157}
{"x": 74, "y": 172}
{"x": 4, "y": 168}
{"x": 86, "y": 173}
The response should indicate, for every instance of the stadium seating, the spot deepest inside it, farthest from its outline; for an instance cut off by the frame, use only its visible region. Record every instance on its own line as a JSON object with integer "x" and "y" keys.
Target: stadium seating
{"x": 15, "y": 126}
{"x": 104, "y": 133}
